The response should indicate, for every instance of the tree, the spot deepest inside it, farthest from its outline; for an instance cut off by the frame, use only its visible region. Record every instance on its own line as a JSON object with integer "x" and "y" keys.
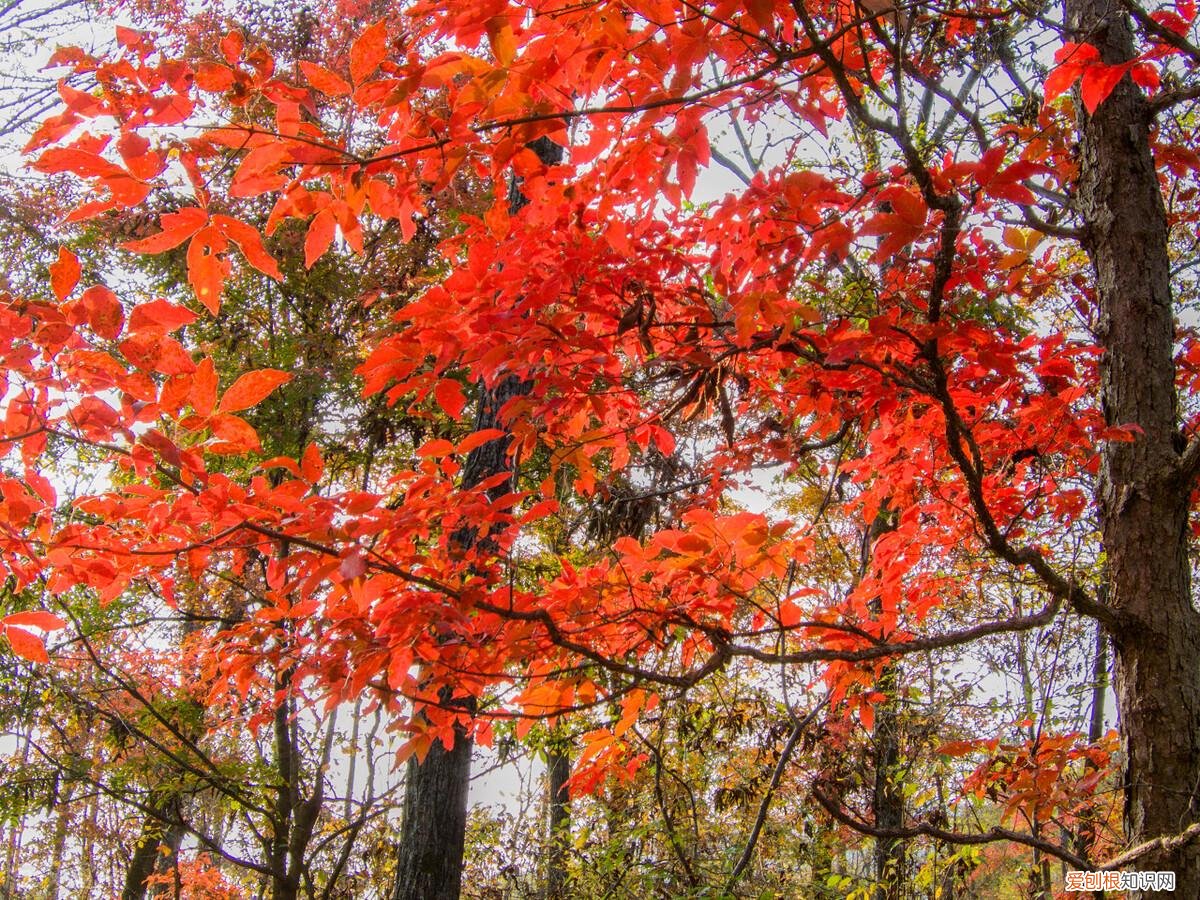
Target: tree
{"x": 923, "y": 297}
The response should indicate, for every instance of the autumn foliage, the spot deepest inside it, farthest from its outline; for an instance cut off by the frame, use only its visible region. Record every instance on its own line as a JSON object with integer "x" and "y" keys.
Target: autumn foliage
{"x": 907, "y": 339}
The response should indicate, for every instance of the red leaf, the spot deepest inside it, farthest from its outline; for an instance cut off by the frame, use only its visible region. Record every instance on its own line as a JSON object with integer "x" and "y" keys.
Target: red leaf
{"x": 478, "y": 439}
{"x": 450, "y": 397}
{"x": 64, "y": 274}
{"x": 128, "y": 38}
{"x": 231, "y": 46}
{"x": 159, "y": 317}
{"x": 325, "y": 81}
{"x": 47, "y": 621}
{"x": 320, "y": 236}
{"x": 1060, "y": 80}
{"x": 311, "y": 464}
{"x": 177, "y": 227}
{"x": 1098, "y": 82}
{"x": 1145, "y": 75}
{"x": 866, "y": 714}
{"x": 251, "y": 389}
{"x": 1077, "y": 54}
{"x": 1072, "y": 59}
{"x": 207, "y": 268}
{"x": 103, "y": 311}
{"x": 214, "y": 77}
{"x": 153, "y": 352}
{"x": 238, "y": 435}
{"x": 203, "y": 393}
{"x": 353, "y": 564}
{"x": 249, "y": 241}
{"x": 26, "y": 645}
{"x": 368, "y": 51}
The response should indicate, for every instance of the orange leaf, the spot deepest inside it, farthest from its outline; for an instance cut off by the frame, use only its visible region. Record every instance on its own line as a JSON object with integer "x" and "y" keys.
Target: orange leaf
{"x": 103, "y": 311}
{"x": 249, "y": 241}
{"x": 325, "y": 81}
{"x": 320, "y": 236}
{"x": 64, "y": 274}
{"x": 956, "y": 748}
{"x": 177, "y": 227}
{"x": 435, "y": 447}
{"x": 368, "y": 51}
{"x": 26, "y": 645}
{"x": 311, "y": 464}
{"x": 207, "y": 268}
{"x": 251, "y": 389}
{"x": 238, "y": 434}
{"x": 203, "y": 392}
{"x": 38, "y": 618}
{"x": 450, "y": 397}
{"x": 502, "y": 39}
{"x": 478, "y": 439}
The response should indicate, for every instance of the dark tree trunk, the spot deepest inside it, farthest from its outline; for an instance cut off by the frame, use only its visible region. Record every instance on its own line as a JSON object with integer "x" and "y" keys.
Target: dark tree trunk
{"x": 558, "y": 770}
{"x": 887, "y": 798}
{"x": 172, "y": 840}
{"x": 433, "y": 831}
{"x": 1099, "y": 686}
{"x": 435, "y": 821}
{"x": 157, "y": 830}
{"x": 887, "y": 795}
{"x": 1142, "y": 495}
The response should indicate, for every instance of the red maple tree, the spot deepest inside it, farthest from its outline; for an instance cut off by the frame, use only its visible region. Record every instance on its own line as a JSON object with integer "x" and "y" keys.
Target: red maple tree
{"x": 969, "y": 333}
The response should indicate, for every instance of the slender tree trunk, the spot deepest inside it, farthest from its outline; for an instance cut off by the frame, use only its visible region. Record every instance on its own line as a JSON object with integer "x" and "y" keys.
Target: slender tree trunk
{"x": 433, "y": 830}
{"x": 1142, "y": 496}
{"x": 558, "y": 770}
{"x": 1099, "y": 686}
{"x": 62, "y": 819}
{"x": 168, "y": 862}
{"x": 887, "y": 799}
{"x": 12, "y": 850}
{"x": 147, "y": 859}
{"x": 87, "y": 872}
{"x": 351, "y": 768}
{"x": 887, "y": 795}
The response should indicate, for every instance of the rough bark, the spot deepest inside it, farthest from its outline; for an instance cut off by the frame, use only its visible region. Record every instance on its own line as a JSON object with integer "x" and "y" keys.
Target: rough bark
{"x": 558, "y": 770}
{"x": 887, "y": 795}
{"x": 147, "y": 858}
{"x": 1143, "y": 502}
{"x": 887, "y": 798}
{"x": 433, "y": 831}
{"x": 1099, "y": 686}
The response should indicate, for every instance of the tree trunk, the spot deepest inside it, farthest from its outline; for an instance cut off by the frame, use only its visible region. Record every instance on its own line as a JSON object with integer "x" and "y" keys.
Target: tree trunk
{"x": 558, "y": 770}
{"x": 887, "y": 795}
{"x": 1099, "y": 687}
{"x": 62, "y": 817}
{"x": 168, "y": 862}
{"x": 433, "y": 834}
{"x": 147, "y": 859}
{"x": 887, "y": 798}
{"x": 433, "y": 830}
{"x": 1143, "y": 500}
